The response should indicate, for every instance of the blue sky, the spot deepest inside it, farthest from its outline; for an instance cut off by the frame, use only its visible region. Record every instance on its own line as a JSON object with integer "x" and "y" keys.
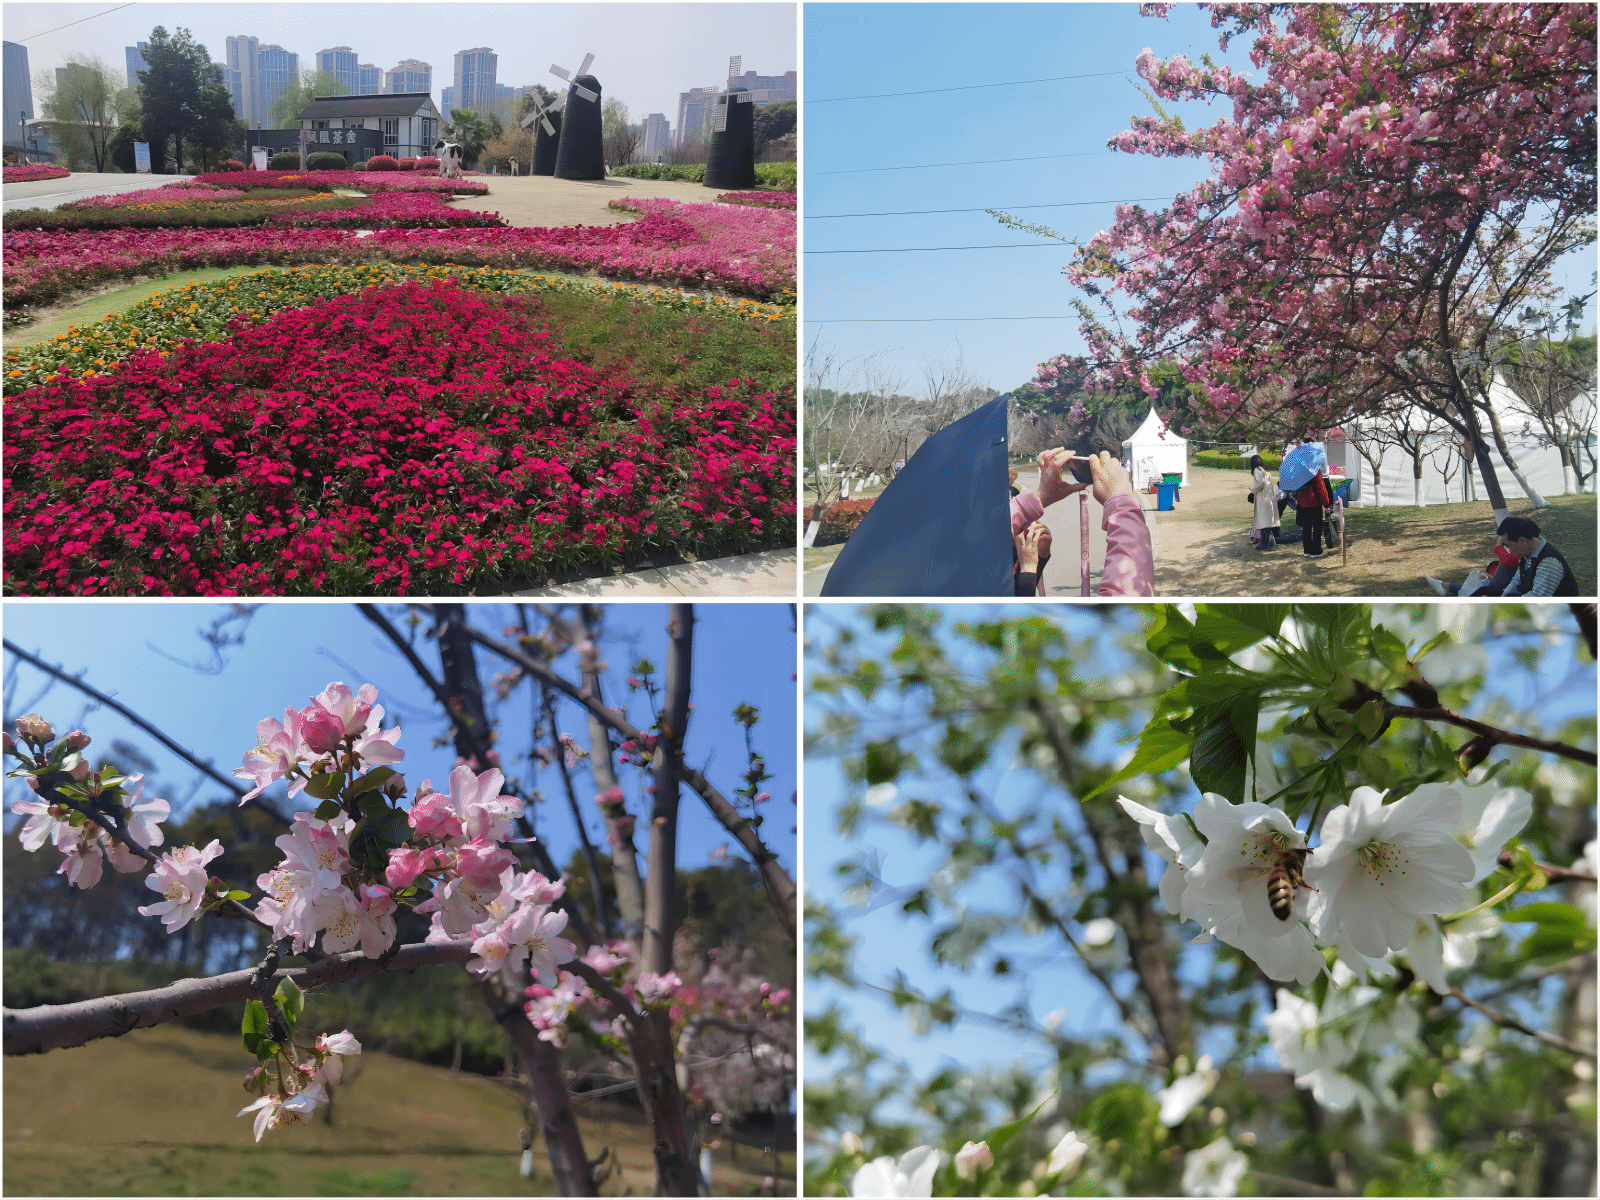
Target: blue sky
{"x": 743, "y": 652}
{"x": 870, "y": 50}
{"x": 1051, "y": 977}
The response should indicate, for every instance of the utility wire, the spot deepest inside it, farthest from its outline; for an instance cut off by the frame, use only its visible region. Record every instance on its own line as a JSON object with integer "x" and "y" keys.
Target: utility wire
{"x": 982, "y": 162}
{"x": 922, "y": 212}
{"x": 967, "y": 87}
{"x": 919, "y": 249}
{"x": 79, "y": 21}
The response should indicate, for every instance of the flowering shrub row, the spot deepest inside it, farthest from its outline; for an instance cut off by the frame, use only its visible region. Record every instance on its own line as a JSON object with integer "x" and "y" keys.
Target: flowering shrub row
{"x": 839, "y": 520}
{"x": 361, "y": 181}
{"x": 205, "y": 312}
{"x": 29, "y": 172}
{"x": 183, "y": 192}
{"x": 404, "y": 439}
{"x": 750, "y": 251}
{"x": 194, "y": 211}
{"x": 392, "y": 210}
{"x": 759, "y": 199}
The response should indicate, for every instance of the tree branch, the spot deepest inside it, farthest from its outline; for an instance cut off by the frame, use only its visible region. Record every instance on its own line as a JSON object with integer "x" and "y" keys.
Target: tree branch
{"x": 1494, "y": 736}
{"x": 206, "y": 768}
{"x": 61, "y": 1026}
{"x": 1506, "y": 1022}
{"x": 780, "y": 887}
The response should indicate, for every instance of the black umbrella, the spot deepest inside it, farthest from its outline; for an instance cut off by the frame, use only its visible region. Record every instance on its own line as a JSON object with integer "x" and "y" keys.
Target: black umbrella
{"x": 943, "y": 525}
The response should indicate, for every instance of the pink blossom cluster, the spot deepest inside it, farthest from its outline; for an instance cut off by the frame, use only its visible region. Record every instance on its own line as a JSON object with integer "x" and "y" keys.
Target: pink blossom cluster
{"x": 326, "y": 1068}
{"x": 759, "y": 199}
{"x": 84, "y": 847}
{"x": 392, "y": 210}
{"x": 30, "y": 172}
{"x": 640, "y": 751}
{"x": 308, "y": 741}
{"x": 370, "y": 182}
{"x": 185, "y": 192}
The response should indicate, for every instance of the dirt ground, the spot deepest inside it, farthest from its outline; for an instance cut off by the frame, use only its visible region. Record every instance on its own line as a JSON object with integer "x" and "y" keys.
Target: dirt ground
{"x": 543, "y": 200}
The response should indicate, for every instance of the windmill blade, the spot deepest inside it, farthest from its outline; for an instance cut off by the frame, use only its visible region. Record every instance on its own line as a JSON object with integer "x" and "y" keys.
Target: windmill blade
{"x": 559, "y": 103}
{"x": 719, "y": 121}
{"x": 560, "y": 72}
{"x": 734, "y": 64}
{"x": 588, "y": 61}
{"x": 744, "y": 97}
{"x": 585, "y": 92}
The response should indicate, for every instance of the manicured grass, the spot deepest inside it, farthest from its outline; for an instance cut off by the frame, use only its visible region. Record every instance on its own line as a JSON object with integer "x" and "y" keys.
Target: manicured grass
{"x": 152, "y": 1114}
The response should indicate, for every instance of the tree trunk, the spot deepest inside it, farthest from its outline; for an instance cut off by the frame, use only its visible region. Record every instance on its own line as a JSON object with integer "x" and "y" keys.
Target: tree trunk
{"x": 1511, "y": 464}
{"x": 624, "y": 860}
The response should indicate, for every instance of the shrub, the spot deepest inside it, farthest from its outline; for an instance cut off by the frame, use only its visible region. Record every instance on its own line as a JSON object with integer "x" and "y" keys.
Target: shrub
{"x": 232, "y": 164}
{"x": 408, "y": 164}
{"x": 383, "y": 162}
{"x": 288, "y": 160}
{"x": 840, "y": 520}
{"x": 427, "y": 163}
{"x": 682, "y": 172}
{"x": 326, "y": 160}
{"x": 1232, "y": 462}
{"x": 784, "y": 176}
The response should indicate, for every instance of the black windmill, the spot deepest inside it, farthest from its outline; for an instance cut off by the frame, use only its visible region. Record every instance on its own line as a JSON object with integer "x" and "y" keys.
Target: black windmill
{"x": 581, "y": 152}
{"x": 546, "y": 136}
{"x": 731, "y": 159}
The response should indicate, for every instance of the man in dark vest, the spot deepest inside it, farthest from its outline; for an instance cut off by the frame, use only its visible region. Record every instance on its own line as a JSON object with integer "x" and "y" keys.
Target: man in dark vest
{"x": 1543, "y": 572}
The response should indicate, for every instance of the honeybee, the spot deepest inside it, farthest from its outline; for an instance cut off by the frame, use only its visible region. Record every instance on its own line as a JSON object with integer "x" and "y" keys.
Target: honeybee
{"x": 1286, "y": 875}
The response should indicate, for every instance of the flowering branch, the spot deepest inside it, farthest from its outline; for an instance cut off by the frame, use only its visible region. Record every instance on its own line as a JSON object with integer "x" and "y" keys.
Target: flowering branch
{"x": 1506, "y": 1022}
{"x": 1489, "y": 733}
{"x": 61, "y": 1026}
{"x": 780, "y": 887}
{"x": 1552, "y": 874}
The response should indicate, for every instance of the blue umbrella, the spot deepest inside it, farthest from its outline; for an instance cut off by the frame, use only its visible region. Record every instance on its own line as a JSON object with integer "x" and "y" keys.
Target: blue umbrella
{"x": 1300, "y": 465}
{"x": 943, "y": 525}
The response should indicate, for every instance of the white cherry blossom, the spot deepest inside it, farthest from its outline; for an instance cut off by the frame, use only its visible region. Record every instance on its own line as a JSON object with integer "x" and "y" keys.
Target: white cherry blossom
{"x": 1492, "y": 814}
{"x": 912, "y": 1176}
{"x": 1216, "y": 1169}
{"x": 1435, "y": 950}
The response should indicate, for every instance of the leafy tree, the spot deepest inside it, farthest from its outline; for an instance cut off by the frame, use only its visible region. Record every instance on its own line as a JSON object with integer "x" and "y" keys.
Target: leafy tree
{"x": 177, "y": 75}
{"x": 773, "y": 121}
{"x": 84, "y": 108}
{"x": 299, "y": 93}
{"x": 471, "y": 132}
{"x": 620, "y": 139}
{"x": 982, "y": 767}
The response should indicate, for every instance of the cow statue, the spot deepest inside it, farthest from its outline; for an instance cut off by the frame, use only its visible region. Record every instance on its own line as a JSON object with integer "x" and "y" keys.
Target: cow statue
{"x": 449, "y": 156}
{"x": 513, "y": 168}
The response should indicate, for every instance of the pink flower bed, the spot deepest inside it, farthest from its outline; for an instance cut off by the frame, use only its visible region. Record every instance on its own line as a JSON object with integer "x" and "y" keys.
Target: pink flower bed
{"x": 397, "y": 440}
{"x": 370, "y": 182}
{"x": 28, "y": 172}
{"x": 171, "y": 193}
{"x": 394, "y": 210}
{"x": 744, "y": 250}
{"x": 759, "y": 199}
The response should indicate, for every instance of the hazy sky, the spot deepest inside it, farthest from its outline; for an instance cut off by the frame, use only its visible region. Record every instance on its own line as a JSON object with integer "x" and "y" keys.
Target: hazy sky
{"x": 742, "y": 652}
{"x": 644, "y": 53}
{"x": 1039, "y": 140}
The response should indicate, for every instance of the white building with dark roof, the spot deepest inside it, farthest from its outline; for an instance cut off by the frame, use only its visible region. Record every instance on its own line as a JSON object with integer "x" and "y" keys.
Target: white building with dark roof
{"x": 407, "y": 125}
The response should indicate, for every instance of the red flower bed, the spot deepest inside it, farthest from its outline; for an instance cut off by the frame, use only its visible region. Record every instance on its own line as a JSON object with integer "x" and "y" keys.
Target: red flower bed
{"x": 398, "y": 440}
{"x": 360, "y": 181}
{"x": 393, "y": 210}
{"x": 28, "y": 172}
{"x": 759, "y": 199}
{"x": 840, "y": 519}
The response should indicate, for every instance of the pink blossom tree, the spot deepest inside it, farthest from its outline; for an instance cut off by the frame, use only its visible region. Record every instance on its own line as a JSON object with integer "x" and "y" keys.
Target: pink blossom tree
{"x": 1379, "y": 207}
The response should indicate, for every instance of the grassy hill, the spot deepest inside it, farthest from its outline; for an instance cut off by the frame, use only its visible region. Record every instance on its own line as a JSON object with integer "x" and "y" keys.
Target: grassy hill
{"x": 152, "y": 1114}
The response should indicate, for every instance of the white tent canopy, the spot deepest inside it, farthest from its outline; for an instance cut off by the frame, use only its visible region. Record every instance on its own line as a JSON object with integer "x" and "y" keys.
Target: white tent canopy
{"x": 1446, "y": 478}
{"x": 1154, "y": 451}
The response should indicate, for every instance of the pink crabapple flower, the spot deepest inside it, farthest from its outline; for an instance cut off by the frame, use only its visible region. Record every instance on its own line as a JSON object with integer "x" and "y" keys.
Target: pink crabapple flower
{"x": 612, "y": 795}
{"x": 337, "y": 1047}
{"x": 180, "y": 877}
{"x": 274, "y": 1112}
{"x": 280, "y": 751}
{"x": 432, "y": 816}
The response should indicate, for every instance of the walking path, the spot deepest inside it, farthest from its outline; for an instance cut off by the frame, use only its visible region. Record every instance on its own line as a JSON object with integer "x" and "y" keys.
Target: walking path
{"x": 529, "y": 201}
{"x": 768, "y": 573}
{"x": 53, "y": 193}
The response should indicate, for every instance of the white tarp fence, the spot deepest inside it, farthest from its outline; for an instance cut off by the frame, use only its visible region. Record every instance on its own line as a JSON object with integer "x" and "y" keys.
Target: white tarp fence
{"x": 1534, "y": 455}
{"x": 1154, "y": 451}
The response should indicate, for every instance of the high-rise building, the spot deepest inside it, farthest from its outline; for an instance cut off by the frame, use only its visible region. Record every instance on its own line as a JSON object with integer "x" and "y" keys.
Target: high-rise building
{"x": 369, "y": 80}
{"x": 409, "y": 75}
{"x": 342, "y": 63}
{"x": 257, "y": 76}
{"x": 18, "y": 87}
{"x": 475, "y": 78}
{"x": 777, "y": 87}
{"x": 447, "y": 102}
{"x": 657, "y": 137}
{"x": 136, "y": 62}
{"x": 694, "y": 113}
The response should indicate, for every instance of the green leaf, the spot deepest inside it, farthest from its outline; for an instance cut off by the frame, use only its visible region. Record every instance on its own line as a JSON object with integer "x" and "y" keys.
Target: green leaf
{"x": 1162, "y": 746}
{"x": 1000, "y": 1136}
{"x": 883, "y": 762}
{"x": 237, "y": 895}
{"x": 374, "y": 778}
{"x": 1220, "y": 760}
{"x": 1546, "y": 913}
{"x": 291, "y": 1000}
{"x": 1229, "y": 628}
{"x": 1433, "y": 643}
{"x": 323, "y": 787}
{"x": 328, "y": 810}
{"x": 394, "y": 829}
{"x": 254, "y": 1027}
{"x": 1168, "y": 639}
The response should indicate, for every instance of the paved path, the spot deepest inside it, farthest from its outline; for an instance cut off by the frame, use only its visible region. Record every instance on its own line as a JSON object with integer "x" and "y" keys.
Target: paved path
{"x": 52, "y": 193}
{"x": 769, "y": 573}
{"x": 544, "y": 200}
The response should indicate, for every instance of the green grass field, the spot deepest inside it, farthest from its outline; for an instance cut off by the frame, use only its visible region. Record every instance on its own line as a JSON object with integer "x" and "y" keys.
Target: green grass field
{"x": 152, "y": 1114}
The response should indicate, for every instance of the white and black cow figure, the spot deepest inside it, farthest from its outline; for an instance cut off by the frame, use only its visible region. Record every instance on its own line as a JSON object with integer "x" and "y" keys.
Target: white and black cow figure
{"x": 449, "y": 156}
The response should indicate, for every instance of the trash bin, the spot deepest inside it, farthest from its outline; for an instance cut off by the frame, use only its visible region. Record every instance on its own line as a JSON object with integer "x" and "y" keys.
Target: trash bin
{"x": 1166, "y": 496}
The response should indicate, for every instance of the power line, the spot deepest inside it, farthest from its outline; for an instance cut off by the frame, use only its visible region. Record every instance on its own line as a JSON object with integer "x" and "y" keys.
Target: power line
{"x": 919, "y": 249}
{"x": 922, "y": 212}
{"x": 917, "y": 320}
{"x": 966, "y": 88}
{"x": 80, "y": 21}
{"x": 982, "y": 162}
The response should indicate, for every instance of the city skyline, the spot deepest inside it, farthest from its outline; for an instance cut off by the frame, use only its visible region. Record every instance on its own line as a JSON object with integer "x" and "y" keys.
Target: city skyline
{"x": 646, "y": 57}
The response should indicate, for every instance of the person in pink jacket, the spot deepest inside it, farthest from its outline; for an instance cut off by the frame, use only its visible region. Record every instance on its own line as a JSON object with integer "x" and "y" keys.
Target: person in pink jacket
{"x": 1130, "y": 560}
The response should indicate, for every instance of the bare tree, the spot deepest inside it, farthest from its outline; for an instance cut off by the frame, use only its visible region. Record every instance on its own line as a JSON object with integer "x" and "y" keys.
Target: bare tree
{"x": 1554, "y": 388}
{"x": 81, "y": 101}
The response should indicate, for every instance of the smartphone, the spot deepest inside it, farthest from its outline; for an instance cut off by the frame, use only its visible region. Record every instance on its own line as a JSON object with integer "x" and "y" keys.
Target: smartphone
{"x": 1080, "y": 469}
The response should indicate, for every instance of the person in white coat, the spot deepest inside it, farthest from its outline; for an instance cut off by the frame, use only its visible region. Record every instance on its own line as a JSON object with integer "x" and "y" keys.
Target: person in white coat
{"x": 1265, "y": 524}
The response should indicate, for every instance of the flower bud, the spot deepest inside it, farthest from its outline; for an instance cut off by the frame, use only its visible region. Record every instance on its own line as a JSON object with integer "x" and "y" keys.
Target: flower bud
{"x": 8, "y": 742}
{"x": 76, "y": 740}
{"x": 395, "y": 787}
{"x": 80, "y": 771}
{"x": 34, "y": 728}
{"x": 973, "y": 1158}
